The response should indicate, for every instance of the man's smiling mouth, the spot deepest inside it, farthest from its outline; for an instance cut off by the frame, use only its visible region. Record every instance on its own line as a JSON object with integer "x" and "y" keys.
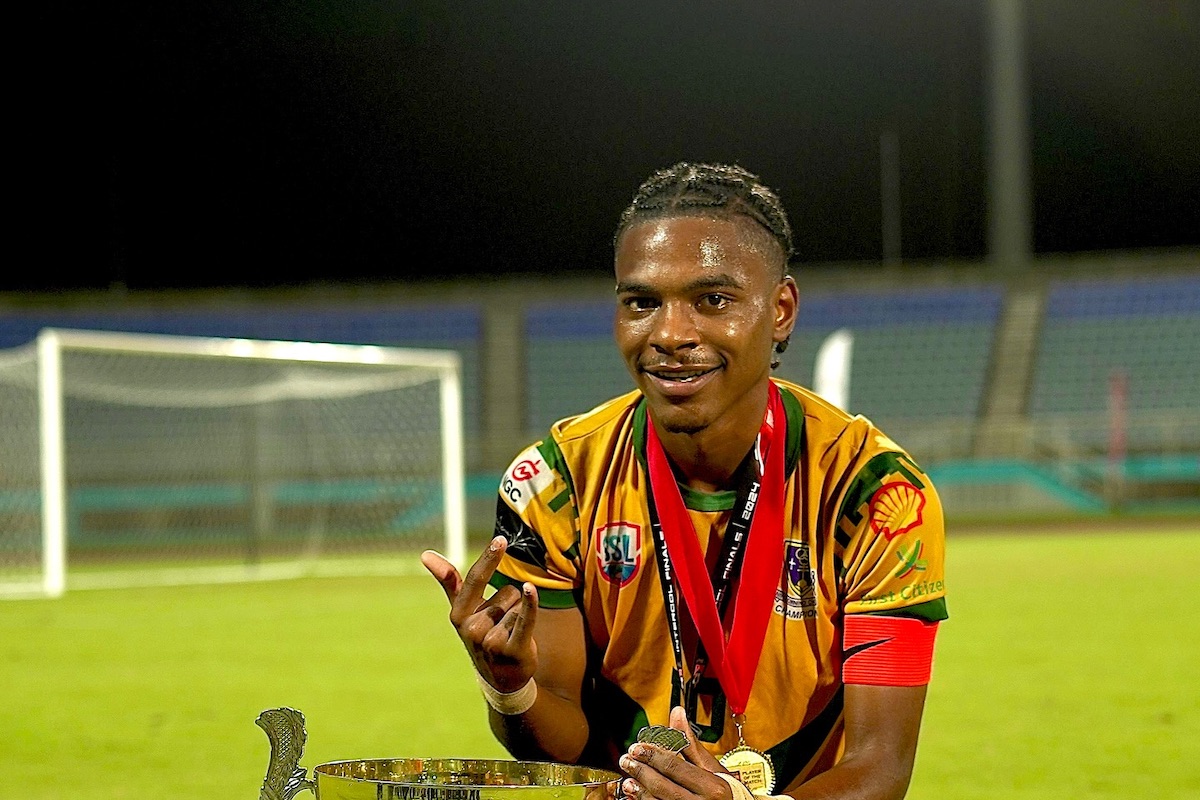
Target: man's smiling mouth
{"x": 681, "y": 377}
{"x": 677, "y": 375}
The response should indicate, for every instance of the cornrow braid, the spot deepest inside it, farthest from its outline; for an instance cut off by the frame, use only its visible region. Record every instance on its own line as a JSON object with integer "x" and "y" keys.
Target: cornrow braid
{"x": 717, "y": 189}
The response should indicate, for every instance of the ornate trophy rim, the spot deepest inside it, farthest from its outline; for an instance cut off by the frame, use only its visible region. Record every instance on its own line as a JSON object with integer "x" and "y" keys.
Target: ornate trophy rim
{"x": 551, "y": 773}
{"x": 419, "y": 778}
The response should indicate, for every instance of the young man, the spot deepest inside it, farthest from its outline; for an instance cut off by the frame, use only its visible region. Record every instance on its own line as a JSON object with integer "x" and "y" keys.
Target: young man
{"x": 717, "y": 551}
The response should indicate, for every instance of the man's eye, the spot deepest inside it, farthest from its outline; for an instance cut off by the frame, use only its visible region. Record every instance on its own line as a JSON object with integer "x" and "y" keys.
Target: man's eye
{"x": 640, "y": 303}
{"x": 714, "y": 301}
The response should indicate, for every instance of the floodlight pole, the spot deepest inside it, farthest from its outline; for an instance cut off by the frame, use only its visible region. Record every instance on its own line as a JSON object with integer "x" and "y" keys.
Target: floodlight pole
{"x": 889, "y": 196}
{"x": 1010, "y": 220}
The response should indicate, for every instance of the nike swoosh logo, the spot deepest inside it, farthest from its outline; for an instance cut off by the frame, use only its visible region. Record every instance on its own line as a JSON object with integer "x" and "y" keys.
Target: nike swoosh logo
{"x": 858, "y": 648}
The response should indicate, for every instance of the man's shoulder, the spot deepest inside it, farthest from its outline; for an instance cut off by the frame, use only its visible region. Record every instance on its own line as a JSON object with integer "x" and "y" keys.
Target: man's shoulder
{"x": 832, "y": 433}
{"x": 577, "y": 444}
{"x": 538, "y": 490}
{"x": 826, "y": 425}
{"x": 605, "y": 419}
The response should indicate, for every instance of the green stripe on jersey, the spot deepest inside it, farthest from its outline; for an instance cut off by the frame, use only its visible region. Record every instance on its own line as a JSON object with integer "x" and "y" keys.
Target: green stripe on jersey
{"x": 930, "y": 611}
{"x": 707, "y": 501}
{"x": 547, "y": 598}
{"x": 870, "y": 478}
{"x": 555, "y": 460}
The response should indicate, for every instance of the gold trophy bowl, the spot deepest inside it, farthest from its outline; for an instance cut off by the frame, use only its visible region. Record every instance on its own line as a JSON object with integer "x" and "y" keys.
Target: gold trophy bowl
{"x": 419, "y": 778}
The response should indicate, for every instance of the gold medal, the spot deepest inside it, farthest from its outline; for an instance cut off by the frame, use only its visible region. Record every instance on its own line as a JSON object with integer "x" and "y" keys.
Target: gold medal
{"x": 664, "y": 737}
{"x": 752, "y": 768}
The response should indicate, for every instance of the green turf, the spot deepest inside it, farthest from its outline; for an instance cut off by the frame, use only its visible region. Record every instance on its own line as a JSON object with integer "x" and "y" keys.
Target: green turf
{"x": 1067, "y": 670}
{"x": 144, "y": 693}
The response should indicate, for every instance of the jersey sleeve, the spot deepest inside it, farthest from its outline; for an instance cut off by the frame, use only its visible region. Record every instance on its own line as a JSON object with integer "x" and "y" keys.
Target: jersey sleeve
{"x": 535, "y": 513}
{"x": 893, "y": 560}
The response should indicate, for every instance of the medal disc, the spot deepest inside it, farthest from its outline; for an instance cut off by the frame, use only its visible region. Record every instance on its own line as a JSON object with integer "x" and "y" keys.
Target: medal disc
{"x": 664, "y": 737}
{"x": 752, "y": 768}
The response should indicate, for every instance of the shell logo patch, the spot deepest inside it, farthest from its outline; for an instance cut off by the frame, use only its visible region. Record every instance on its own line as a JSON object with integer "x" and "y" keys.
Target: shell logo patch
{"x": 619, "y": 551}
{"x": 895, "y": 509}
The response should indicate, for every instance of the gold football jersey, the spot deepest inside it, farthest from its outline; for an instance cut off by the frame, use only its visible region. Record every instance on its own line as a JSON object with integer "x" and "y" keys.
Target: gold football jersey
{"x": 863, "y": 535}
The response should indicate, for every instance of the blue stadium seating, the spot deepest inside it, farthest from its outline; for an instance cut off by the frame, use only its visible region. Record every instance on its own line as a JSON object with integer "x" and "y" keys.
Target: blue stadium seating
{"x": 1146, "y": 330}
{"x": 919, "y": 354}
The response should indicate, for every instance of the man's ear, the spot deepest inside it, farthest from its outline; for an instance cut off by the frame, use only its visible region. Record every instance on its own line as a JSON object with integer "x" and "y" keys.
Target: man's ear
{"x": 787, "y": 306}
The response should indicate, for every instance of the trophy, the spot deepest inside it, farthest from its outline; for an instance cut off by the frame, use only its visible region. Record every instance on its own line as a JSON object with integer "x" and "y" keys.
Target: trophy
{"x": 418, "y": 778}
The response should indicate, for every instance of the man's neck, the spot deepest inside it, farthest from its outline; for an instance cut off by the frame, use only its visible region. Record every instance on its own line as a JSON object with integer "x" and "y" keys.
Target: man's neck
{"x": 708, "y": 460}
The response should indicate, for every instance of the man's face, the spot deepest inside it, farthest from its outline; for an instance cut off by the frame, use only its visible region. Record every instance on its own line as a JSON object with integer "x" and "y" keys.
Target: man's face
{"x": 700, "y": 305}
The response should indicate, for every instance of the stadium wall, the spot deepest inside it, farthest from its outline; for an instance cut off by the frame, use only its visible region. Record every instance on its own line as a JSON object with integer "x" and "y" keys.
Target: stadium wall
{"x": 1001, "y": 386}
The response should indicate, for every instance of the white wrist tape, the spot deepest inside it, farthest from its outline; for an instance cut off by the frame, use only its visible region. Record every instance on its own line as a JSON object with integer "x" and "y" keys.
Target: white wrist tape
{"x": 740, "y": 792}
{"x": 509, "y": 704}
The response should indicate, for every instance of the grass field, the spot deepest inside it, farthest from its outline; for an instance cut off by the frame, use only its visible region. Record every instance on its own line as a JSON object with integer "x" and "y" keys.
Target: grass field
{"x": 1068, "y": 669}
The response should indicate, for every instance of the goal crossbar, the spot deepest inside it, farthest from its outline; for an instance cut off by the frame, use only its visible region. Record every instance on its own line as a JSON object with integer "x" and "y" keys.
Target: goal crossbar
{"x": 51, "y": 343}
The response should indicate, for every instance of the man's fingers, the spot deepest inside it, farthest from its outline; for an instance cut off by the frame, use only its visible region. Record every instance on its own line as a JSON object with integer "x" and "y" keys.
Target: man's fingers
{"x": 522, "y": 631}
{"x": 655, "y": 769}
{"x": 669, "y": 776}
{"x": 513, "y": 633}
{"x": 490, "y": 627}
{"x": 470, "y": 594}
{"x": 694, "y": 752}
{"x": 444, "y": 572}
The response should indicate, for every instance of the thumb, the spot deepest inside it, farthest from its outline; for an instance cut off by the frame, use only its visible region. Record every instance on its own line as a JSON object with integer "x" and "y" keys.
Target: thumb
{"x": 444, "y": 572}
{"x": 694, "y": 752}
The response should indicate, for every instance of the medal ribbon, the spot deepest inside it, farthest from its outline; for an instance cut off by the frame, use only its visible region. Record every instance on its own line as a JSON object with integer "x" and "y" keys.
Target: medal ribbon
{"x": 735, "y": 660}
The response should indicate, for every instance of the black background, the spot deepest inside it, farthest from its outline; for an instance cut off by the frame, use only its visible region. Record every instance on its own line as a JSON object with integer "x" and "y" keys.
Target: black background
{"x": 187, "y": 144}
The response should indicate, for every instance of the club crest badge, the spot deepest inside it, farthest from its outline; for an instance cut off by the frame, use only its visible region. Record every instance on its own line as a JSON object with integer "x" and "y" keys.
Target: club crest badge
{"x": 619, "y": 551}
{"x": 798, "y": 599}
{"x": 896, "y": 509}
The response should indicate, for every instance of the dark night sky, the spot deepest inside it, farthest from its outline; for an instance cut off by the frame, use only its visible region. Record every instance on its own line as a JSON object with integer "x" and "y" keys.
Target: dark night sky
{"x": 258, "y": 143}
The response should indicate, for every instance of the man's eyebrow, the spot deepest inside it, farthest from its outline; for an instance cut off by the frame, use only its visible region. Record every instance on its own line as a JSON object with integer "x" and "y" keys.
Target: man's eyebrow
{"x": 634, "y": 288}
{"x": 719, "y": 281}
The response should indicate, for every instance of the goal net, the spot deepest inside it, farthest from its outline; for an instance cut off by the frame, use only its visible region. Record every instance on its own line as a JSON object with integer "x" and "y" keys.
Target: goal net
{"x": 132, "y": 459}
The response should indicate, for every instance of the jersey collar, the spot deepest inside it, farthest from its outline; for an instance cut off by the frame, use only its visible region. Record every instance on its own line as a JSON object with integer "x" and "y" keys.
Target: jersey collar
{"x": 723, "y": 501}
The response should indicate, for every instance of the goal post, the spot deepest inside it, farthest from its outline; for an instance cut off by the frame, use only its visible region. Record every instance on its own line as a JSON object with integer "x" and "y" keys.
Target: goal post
{"x": 131, "y": 458}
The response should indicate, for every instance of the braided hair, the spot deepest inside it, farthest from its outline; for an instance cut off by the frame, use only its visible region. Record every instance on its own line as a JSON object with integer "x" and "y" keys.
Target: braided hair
{"x": 720, "y": 190}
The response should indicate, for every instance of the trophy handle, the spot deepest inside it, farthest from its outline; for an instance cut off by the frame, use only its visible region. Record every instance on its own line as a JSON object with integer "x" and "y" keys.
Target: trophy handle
{"x": 285, "y": 730}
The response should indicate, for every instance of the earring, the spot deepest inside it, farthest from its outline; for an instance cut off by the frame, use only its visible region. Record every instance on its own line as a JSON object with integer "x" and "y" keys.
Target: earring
{"x": 778, "y": 350}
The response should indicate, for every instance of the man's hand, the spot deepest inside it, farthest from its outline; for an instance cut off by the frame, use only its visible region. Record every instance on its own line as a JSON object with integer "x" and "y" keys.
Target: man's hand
{"x": 497, "y": 632}
{"x": 658, "y": 773}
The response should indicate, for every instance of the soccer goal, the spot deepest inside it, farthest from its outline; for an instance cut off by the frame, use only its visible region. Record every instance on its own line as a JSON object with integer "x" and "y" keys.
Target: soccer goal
{"x": 130, "y": 459}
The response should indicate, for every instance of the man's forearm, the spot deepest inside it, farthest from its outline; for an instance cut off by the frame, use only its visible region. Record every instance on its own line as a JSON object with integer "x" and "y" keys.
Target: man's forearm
{"x": 856, "y": 780}
{"x": 882, "y": 726}
{"x": 552, "y": 729}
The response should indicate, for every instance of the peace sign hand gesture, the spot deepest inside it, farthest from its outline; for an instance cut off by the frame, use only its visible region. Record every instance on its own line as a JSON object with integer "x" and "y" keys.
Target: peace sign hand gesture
{"x": 498, "y": 631}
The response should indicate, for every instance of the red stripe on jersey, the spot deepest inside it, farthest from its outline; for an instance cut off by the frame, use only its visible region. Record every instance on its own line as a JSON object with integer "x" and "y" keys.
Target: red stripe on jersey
{"x": 887, "y": 651}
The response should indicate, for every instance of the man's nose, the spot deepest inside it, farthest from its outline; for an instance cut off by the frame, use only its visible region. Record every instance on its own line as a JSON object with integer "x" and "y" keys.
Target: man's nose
{"x": 674, "y": 328}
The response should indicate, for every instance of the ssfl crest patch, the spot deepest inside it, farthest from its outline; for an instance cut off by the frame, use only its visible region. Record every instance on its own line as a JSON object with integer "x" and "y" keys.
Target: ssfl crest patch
{"x": 619, "y": 551}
